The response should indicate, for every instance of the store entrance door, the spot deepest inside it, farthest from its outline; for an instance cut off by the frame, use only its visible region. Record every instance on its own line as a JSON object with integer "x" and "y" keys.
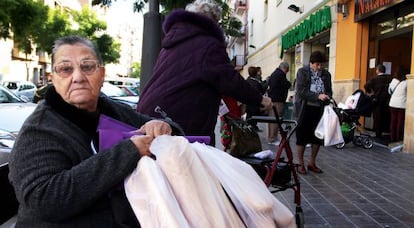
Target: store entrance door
{"x": 394, "y": 52}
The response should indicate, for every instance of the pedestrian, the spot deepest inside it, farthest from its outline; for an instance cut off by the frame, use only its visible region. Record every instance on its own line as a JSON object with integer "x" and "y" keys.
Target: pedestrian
{"x": 313, "y": 89}
{"x": 193, "y": 71}
{"x": 377, "y": 89}
{"x": 264, "y": 82}
{"x": 59, "y": 176}
{"x": 278, "y": 92}
{"x": 398, "y": 91}
{"x": 255, "y": 81}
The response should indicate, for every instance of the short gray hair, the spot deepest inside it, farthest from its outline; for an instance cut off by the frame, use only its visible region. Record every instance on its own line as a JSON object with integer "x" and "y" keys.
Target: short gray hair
{"x": 284, "y": 65}
{"x": 72, "y": 40}
{"x": 209, "y": 8}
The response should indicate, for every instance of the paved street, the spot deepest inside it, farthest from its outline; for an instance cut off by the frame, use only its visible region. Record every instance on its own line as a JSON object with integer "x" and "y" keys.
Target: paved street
{"x": 359, "y": 187}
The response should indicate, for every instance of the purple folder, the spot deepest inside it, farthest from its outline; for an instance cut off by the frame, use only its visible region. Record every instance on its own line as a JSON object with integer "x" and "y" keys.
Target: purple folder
{"x": 112, "y": 131}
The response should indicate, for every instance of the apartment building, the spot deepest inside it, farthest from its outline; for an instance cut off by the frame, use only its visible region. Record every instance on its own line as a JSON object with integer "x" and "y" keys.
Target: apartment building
{"x": 355, "y": 35}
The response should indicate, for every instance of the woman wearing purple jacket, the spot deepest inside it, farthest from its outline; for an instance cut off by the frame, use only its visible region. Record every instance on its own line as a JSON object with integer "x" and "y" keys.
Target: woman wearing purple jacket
{"x": 193, "y": 71}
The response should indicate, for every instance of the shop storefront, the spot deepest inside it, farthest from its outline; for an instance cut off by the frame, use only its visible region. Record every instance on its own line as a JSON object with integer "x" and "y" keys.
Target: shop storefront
{"x": 376, "y": 31}
{"x": 311, "y": 34}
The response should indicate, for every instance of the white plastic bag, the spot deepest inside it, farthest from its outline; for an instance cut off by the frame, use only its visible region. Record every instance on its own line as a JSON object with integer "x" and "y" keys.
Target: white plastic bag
{"x": 328, "y": 128}
{"x": 150, "y": 196}
{"x": 252, "y": 199}
{"x": 200, "y": 195}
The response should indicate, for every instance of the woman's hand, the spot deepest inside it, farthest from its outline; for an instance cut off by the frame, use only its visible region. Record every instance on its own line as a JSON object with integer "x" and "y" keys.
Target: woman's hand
{"x": 323, "y": 97}
{"x": 142, "y": 143}
{"x": 155, "y": 128}
{"x": 149, "y": 131}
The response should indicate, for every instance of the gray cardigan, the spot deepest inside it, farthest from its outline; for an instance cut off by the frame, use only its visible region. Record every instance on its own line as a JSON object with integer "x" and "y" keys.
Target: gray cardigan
{"x": 58, "y": 180}
{"x": 304, "y": 94}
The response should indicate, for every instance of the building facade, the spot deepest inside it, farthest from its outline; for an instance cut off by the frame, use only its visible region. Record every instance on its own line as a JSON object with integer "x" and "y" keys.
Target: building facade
{"x": 355, "y": 35}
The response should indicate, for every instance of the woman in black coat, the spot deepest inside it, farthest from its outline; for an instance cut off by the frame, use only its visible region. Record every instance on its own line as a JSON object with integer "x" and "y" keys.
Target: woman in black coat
{"x": 313, "y": 88}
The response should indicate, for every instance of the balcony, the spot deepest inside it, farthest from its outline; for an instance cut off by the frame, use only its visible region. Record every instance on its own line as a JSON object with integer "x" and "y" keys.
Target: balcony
{"x": 240, "y": 7}
{"x": 43, "y": 57}
{"x": 19, "y": 55}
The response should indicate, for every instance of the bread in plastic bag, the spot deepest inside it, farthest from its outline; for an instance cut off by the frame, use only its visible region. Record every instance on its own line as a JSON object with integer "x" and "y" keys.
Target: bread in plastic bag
{"x": 199, "y": 194}
{"x": 150, "y": 196}
{"x": 256, "y": 205}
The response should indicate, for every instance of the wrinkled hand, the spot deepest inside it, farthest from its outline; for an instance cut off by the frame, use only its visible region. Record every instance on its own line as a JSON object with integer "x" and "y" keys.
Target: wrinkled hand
{"x": 142, "y": 143}
{"x": 150, "y": 130}
{"x": 155, "y": 128}
{"x": 266, "y": 103}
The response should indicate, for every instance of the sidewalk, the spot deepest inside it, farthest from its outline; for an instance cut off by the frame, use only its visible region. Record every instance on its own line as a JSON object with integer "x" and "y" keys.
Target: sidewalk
{"x": 359, "y": 187}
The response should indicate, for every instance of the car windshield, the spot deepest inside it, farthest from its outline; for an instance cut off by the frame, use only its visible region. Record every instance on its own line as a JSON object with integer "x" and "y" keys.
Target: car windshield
{"x": 113, "y": 91}
{"x": 6, "y": 96}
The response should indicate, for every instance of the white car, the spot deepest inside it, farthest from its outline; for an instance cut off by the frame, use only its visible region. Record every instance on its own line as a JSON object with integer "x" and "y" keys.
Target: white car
{"x": 120, "y": 95}
{"x": 22, "y": 88}
{"x": 130, "y": 85}
{"x": 13, "y": 112}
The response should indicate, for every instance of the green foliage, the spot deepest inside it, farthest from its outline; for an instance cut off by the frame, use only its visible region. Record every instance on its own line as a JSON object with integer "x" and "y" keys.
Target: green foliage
{"x": 22, "y": 18}
{"x": 108, "y": 47}
{"x": 84, "y": 23}
{"x": 136, "y": 70}
{"x": 87, "y": 22}
{"x": 57, "y": 25}
{"x": 6, "y": 6}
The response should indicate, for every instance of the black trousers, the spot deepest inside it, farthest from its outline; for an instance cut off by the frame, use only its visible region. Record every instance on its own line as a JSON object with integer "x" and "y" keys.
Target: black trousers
{"x": 382, "y": 119}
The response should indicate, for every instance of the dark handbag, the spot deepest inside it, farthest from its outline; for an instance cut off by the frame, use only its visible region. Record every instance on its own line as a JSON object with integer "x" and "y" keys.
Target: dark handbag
{"x": 245, "y": 139}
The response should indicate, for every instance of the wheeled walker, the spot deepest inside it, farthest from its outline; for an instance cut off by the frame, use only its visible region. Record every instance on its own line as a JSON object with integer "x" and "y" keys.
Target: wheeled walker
{"x": 280, "y": 173}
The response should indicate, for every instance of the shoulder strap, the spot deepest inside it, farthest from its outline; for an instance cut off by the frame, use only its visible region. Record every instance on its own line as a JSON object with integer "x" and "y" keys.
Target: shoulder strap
{"x": 395, "y": 87}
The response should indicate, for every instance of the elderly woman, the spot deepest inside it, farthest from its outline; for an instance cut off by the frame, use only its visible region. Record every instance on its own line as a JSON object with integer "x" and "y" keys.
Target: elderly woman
{"x": 313, "y": 90}
{"x": 59, "y": 176}
{"x": 193, "y": 71}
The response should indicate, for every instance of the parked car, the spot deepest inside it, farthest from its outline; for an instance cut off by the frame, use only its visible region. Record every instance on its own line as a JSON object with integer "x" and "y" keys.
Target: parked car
{"x": 120, "y": 95}
{"x": 130, "y": 85}
{"x": 22, "y": 88}
{"x": 13, "y": 112}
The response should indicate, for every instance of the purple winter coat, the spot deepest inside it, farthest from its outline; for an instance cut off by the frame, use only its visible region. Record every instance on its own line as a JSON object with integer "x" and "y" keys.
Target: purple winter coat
{"x": 192, "y": 73}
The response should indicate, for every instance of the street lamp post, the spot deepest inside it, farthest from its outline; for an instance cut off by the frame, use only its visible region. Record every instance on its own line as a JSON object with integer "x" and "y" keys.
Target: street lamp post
{"x": 151, "y": 42}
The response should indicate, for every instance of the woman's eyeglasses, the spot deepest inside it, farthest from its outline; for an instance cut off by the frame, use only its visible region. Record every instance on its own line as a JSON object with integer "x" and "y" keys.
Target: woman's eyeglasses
{"x": 66, "y": 69}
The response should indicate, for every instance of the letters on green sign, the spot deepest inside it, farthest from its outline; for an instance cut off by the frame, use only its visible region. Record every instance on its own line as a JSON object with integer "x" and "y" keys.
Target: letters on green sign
{"x": 315, "y": 23}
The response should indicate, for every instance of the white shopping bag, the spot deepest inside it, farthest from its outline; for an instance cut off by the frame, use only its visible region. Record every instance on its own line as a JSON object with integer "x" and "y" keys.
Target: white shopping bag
{"x": 256, "y": 205}
{"x": 199, "y": 193}
{"x": 329, "y": 128}
{"x": 151, "y": 196}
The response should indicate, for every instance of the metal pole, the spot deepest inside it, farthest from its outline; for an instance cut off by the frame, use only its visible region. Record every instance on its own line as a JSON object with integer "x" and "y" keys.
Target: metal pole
{"x": 151, "y": 42}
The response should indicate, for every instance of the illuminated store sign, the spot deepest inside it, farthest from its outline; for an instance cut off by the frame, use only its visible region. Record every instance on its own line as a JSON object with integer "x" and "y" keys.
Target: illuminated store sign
{"x": 315, "y": 23}
{"x": 366, "y": 8}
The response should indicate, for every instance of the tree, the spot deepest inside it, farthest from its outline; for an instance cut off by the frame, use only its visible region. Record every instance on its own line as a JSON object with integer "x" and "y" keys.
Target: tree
{"x": 31, "y": 23}
{"x": 57, "y": 25}
{"x": 135, "y": 70}
{"x": 84, "y": 23}
{"x": 90, "y": 26}
{"x": 6, "y": 6}
{"x": 231, "y": 25}
{"x": 20, "y": 20}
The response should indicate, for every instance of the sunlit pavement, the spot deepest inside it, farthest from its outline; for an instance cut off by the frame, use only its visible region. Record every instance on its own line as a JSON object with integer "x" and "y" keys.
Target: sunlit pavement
{"x": 358, "y": 187}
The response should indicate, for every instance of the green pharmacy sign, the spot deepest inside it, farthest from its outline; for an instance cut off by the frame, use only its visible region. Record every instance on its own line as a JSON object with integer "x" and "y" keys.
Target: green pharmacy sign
{"x": 314, "y": 24}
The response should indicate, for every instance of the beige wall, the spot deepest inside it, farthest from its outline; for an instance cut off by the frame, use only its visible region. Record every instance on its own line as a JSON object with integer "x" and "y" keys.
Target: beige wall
{"x": 409, "y": 117}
